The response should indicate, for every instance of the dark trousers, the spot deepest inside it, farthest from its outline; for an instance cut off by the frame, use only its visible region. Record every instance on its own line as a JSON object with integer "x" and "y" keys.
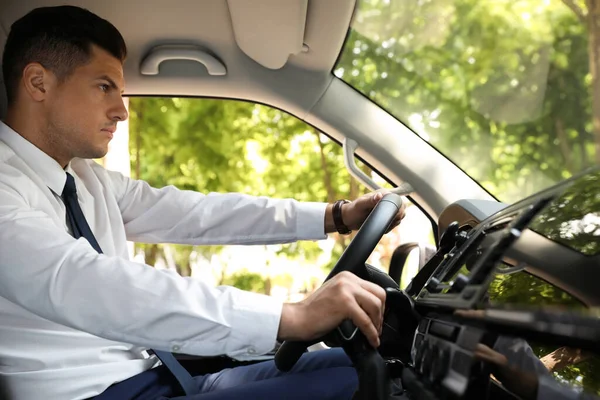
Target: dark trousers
{"x": 326, "y": 374}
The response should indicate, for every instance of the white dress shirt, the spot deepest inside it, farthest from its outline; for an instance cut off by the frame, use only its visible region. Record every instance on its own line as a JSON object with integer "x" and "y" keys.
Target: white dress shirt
{"x": 73, "y": 322}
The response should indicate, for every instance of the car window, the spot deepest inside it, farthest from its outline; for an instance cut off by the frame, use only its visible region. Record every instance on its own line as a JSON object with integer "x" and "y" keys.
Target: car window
{"x": 508, "y": 90}
{"x": 226, "y": 145}
{"x": 568, "y": 365}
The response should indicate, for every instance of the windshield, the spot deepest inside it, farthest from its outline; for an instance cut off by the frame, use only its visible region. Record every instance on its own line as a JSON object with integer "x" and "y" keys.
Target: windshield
{"x": 502, "y": 88}
{"x": 573, "y": 218}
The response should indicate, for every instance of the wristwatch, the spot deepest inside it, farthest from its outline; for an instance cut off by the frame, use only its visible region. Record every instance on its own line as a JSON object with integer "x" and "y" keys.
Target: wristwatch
{"x": 337, "y": 217}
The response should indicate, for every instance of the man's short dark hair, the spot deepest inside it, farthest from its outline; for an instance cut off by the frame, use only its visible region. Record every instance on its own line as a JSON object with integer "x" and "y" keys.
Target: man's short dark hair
{"x": 60, "y": 39}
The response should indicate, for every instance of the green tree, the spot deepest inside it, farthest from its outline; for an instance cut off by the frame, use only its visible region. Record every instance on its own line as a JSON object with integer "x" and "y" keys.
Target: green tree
{"x": 211, "y": 145}
{"x": 245, "y": 280}
{"x": 503, "y": 88}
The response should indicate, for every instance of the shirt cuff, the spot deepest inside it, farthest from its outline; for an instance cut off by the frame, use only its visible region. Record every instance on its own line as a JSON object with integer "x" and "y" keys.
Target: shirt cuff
{"x": 310, "y": 221}
{"x": 549, "y": 388}
{"x": 255, "y": 320}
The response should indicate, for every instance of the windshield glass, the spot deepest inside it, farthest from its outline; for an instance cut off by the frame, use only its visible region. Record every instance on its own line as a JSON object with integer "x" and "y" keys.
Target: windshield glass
{"x": 573, "y": 219}
{"x": 502, "y": 88}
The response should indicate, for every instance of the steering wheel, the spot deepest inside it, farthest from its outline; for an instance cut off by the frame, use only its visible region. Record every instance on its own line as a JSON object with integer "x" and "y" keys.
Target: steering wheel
{"x": 362, "y": 354}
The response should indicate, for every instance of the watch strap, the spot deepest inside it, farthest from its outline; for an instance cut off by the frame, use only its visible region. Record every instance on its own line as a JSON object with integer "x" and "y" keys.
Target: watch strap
{"x": 337, "y": 217}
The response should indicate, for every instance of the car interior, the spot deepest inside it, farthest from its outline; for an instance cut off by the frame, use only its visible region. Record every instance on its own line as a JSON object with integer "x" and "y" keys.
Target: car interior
{"x": 284, "y": 54}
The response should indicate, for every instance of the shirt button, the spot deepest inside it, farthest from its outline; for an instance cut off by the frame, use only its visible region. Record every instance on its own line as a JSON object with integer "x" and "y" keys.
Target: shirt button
{"x": 175, "y": 348}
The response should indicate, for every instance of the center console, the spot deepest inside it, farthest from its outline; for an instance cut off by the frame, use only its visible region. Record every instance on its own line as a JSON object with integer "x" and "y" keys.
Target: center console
{"x": 442, "y": 363}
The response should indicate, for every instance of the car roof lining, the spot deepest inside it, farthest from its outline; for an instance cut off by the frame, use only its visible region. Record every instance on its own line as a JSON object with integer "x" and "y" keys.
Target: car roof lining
{"x": 299, "y": 83}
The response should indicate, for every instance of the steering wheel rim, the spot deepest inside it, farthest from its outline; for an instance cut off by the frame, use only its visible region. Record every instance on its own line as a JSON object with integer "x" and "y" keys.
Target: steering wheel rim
{"x": 352, "y": 260}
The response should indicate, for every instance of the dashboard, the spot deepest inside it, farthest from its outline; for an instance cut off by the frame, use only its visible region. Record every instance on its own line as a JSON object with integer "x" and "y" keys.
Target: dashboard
{"x": 554, "y": 235}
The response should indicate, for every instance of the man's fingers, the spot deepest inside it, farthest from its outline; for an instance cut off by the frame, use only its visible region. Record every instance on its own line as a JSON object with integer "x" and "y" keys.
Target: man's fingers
{"x": 373, "y": 288}
{"x": 376, "y": 197}
{"x": 377, "y": 292}
{"x": 484, "y": 353}
{"x": 372, "y": 306}
{"x": 362, "y": 321}
{"x": 393, "y": 225}
{"x": 363, "y": 302}
{"x": 398, "y": 218}
{"x": 482, "y": 348}
{"x": 371, "y": 299}
{"x": 482, "y": 356}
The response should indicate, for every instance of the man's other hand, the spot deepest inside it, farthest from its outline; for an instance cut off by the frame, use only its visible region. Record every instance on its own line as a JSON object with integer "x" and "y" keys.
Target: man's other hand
{"x": 345, "y": 296}
{"x": 523, "y": 384}
{"x": 356, "y": 212}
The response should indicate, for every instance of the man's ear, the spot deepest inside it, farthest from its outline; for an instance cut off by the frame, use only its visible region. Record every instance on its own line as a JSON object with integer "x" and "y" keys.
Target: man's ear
{"x": 36, "y": 81}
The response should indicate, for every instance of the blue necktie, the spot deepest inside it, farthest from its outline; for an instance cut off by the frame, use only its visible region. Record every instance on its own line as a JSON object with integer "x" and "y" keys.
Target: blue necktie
{"x": 80, "y": 228}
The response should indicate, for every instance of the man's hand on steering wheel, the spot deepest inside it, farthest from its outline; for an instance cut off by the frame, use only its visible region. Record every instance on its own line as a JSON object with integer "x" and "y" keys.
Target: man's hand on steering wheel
{"x": 347, "y": 306}
{"x": 345, "y": 296}
{"x": 354, "y": 213}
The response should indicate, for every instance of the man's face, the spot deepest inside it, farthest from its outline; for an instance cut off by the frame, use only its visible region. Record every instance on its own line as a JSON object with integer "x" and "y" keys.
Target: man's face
{"x": 83, "y": 110}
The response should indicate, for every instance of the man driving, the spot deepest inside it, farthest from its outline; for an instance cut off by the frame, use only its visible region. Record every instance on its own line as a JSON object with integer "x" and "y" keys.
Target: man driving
{"x": 79, "y": 319}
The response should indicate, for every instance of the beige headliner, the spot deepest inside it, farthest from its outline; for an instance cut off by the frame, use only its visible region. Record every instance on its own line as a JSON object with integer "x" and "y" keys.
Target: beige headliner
{"x": 208, "y": 23}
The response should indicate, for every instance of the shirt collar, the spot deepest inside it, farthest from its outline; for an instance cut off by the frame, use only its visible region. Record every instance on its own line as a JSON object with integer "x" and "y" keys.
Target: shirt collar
{"x": 41, "y": 163}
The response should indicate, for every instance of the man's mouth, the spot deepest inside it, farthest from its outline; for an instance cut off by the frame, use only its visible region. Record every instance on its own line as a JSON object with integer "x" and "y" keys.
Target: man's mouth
{"x": 109, "y": 131}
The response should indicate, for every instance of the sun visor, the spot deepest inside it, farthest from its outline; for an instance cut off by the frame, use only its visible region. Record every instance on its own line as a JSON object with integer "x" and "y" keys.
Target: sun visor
{"x": 269, "y": 31}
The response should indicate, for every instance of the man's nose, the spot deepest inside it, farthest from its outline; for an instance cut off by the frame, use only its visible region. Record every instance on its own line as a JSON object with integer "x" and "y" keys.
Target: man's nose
{"x": 119, "y": 113}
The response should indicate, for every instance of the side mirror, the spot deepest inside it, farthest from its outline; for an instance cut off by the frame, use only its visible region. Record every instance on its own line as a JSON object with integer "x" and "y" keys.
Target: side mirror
{"x": 410, "y": 257}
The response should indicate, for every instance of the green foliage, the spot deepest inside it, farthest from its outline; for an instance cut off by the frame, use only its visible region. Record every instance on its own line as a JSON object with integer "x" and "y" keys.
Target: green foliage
{"x": 211, "y": 145}
{"x": 526, "y": 290}
{"x": 500, "y": 87}
{"x": 585, "y": 374}
{"x": 245, "y": 280}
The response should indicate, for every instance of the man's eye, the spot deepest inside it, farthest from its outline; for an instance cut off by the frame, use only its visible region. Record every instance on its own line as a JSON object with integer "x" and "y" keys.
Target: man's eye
{"x": 104, "y": 87}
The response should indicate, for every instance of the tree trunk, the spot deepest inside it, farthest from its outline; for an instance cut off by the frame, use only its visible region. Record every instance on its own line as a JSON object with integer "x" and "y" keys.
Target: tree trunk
{"x": 593, "y": 22}
{"x": 138, "y": 140}
{"x": 268, "y": 286}
{"x": 138, "y": 144}
{"x": 331, "y": 192}
{"x": 562, "y": 358}
{"x": 354, "y": 193}
{"x": 563, "y": 143}
{"x": 185, "y": 269}
{"x": 151, "y": 254}
{"x": 223, "y": 275}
